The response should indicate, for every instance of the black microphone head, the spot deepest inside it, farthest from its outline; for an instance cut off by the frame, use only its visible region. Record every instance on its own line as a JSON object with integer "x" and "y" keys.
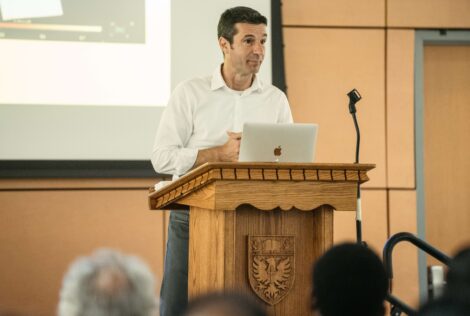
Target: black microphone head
{"x": 354, "y": 96}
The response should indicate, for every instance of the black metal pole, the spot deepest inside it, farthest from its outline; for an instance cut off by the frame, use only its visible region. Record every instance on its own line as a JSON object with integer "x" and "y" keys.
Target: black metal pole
{"x": 354, "y": 97}
{"x": 358, "y": 206}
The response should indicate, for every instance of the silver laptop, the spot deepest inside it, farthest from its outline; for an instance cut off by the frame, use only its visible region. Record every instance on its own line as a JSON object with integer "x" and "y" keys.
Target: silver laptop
{"x": 263, "y": 142}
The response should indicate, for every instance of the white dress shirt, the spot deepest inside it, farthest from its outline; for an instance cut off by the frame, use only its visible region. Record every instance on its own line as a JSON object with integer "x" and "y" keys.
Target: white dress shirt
{"x": 201, "y": 111}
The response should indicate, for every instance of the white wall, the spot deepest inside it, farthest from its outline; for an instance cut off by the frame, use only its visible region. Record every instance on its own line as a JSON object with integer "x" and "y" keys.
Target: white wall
{"x": 73, "y": 132}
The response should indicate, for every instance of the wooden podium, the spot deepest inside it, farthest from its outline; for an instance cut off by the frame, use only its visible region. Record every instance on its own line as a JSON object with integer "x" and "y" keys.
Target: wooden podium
{"x": 257, "y": 228}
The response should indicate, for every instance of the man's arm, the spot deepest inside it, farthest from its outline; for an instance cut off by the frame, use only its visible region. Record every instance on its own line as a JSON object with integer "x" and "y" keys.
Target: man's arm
{"x": 228, "y": 152}
{"x": 169, "y": 154}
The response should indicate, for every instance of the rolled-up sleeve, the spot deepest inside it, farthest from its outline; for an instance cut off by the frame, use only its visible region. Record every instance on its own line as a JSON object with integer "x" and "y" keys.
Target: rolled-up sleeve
{"x": 170, "y": 155}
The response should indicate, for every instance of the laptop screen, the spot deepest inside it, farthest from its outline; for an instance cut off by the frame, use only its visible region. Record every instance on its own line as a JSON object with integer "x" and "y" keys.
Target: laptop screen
{"x": 269, "y": 142}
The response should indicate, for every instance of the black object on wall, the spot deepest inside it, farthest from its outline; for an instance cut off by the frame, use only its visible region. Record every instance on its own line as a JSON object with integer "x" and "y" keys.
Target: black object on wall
{"x": 278, "y": 72}
{"x": 34, "y": 169}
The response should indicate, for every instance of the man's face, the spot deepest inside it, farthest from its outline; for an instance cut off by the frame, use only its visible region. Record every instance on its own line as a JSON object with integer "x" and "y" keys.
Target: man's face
{"x": 246, "y": 53}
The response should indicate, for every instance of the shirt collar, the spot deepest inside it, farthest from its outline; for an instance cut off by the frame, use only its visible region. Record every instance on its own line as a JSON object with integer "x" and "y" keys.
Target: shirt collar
{"x": 218, "y": 81}
{"x": 257, "y": 84}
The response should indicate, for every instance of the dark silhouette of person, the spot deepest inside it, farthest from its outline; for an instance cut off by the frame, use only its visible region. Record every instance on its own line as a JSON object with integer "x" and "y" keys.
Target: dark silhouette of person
{"x": 349, "y": 279}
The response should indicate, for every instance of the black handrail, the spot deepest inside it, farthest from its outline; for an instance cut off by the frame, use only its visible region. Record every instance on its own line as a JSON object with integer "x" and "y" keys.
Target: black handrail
{"x": 387, "y": 260}
{"x": 397, "y": 306}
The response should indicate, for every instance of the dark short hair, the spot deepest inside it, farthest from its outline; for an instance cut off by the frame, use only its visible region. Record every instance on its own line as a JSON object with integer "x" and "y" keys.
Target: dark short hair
{"x": 349, "y": 279}
{"x": 224, "y": 304}
{"x": 228, "y": 19}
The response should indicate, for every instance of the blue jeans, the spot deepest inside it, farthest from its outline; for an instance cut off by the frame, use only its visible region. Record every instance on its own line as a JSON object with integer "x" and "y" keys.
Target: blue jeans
{"x": 174, "y": 291}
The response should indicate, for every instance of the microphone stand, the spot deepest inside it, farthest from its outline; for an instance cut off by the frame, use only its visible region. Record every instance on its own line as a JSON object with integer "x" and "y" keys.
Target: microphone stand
{"x": 354, "y": 97}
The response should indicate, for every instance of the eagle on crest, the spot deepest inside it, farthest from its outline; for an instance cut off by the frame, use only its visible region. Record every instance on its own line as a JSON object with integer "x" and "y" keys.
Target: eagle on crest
{"x": 272, "y": 275}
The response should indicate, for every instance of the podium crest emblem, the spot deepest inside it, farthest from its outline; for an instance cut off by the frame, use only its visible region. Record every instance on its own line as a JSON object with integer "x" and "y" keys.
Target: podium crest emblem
{"x": 271, "y": 266}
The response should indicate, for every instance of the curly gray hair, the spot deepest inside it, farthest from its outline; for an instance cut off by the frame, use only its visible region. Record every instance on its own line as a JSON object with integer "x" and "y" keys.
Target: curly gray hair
{"x": 108, "y": 283}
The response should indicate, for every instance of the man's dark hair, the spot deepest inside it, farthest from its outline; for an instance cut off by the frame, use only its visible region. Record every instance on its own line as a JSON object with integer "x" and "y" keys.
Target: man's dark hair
{"x": 224, "y": 304}
{"x": 349, "y": 279}
{"x": 230, "y": 17}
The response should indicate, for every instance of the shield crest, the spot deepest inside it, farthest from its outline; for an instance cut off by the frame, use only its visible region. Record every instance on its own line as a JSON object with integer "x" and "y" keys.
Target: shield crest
{"x": 271, "y": 266}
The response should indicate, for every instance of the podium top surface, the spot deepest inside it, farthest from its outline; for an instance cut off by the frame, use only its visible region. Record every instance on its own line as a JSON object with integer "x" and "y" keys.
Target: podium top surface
{"x": 249, "y": 171}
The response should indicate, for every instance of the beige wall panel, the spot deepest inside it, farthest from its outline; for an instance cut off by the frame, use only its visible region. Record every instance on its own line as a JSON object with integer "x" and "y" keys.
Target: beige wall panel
{"x": 42, "y": 232}
{"x": 428, "y": 13}
{"x": 374, "y": 221}
{"x": 446, "y": 152}
{"x": 322, "y": 66}
{"x": 400, "y": 109}
{"x": 334, "y": 12}
{"x": 402, "y": 207}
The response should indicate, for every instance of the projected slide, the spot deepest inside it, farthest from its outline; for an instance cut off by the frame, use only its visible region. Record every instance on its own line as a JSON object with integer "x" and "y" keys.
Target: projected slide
{"x": 71, "y": 20}
{"x": 86, "y": 52}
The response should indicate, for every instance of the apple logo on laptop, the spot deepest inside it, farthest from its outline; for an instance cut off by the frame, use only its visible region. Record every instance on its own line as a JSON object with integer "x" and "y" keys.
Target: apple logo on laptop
{"x": 277, "y": 151}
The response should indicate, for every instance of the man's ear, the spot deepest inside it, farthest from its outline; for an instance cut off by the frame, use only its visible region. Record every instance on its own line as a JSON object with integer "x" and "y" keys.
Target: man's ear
{"x": 224, "y": 45}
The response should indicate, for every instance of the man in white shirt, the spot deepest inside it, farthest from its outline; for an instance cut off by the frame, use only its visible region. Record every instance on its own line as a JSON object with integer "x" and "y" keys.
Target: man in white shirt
{"x": 203, "y": 123}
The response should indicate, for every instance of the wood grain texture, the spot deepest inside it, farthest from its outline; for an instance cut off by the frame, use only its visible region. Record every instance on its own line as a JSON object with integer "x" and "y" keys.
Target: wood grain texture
{"x": 206, "y": 251}
{"x": 269, "y": 195}
{"x": 400, "y": 109}
{"x": 403, "y": 218}
{"x": 203, "y": 198}
{"x": 334, "y": 12}
{"x": 446, "y": 151}
{"x": 282, "y": 200}
{"x": 268, "y": 199}
{"x": 177, "y": 195}
{"x": 313, "y": 233}
{"x": 230, "y": 250}
{"x": 374, "y": 221}
{"x": 428, "y": 13}
{"x": 271, "y": 266}
{"x": 322, "y": 66}
{"x": 43, "y": 231}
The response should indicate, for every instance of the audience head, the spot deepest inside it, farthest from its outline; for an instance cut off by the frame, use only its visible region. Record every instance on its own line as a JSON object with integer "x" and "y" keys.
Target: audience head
{"x": 456, "y": 298}
{"x": 224, "y": 304}
{"x": 349, "y": 279}
{"x": 108, "y": 283}
{"x": 447, "y": 306}
{"x": 458, "y": 276}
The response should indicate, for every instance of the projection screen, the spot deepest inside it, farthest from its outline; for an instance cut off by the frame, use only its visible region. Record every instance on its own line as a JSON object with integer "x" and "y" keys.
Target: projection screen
{"x": 88, "y": 80}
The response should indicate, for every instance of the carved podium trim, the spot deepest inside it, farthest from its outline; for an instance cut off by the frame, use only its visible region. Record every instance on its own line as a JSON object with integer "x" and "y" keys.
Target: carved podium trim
{"x": 258, "y": 227}
{"x": 299, "y": 172}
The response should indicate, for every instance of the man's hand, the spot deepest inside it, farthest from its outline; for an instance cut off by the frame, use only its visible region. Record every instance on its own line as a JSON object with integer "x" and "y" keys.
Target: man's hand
{"x": 228, "y": 152}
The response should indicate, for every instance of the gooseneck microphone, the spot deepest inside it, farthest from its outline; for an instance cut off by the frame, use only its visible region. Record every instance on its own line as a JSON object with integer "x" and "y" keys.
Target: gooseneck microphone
{"x": 354, "y": 97}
